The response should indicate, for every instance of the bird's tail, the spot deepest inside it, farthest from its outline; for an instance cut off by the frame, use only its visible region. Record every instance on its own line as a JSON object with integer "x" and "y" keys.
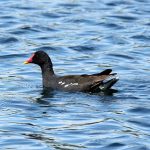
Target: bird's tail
{"x": 108, "y": 84}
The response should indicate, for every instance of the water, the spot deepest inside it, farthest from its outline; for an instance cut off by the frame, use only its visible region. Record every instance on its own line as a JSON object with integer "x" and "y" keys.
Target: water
{"x": 81, "y": 37}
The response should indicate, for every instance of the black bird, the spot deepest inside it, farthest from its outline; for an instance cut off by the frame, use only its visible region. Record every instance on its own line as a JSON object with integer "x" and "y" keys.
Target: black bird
{"x": 83, "y": 83}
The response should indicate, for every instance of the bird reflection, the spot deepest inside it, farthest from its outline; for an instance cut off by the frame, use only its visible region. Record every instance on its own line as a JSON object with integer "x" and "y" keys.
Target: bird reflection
{"x": 45, "y": 94}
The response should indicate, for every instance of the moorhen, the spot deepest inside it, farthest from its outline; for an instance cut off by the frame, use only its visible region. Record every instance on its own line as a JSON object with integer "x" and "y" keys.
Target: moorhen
{"x": 83, "y": 83}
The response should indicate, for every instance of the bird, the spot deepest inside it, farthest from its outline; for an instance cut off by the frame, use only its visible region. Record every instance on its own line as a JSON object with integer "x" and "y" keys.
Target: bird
{"x": 92, "y": 83}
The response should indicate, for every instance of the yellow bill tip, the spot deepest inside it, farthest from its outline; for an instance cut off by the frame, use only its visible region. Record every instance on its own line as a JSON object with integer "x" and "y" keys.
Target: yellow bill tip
{"x": 25, "y": 62}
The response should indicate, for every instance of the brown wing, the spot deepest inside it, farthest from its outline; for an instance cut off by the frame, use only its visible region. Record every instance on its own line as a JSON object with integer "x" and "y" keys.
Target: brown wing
{"x": 82, "y": 82}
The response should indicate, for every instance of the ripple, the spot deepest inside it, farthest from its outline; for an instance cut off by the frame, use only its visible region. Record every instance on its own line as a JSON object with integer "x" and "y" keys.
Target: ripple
{"x": 84, "y": 49}
{"x": 130, "y": 18}
{"x": 141, "y": 1}
{"x": 28, "y": 28}
{"x": 116, "y": 3}
{"x": 115, "y": 145}
{"x": 44, "y": 28}
{"x": 141, "y": 37}
{"x": 140, "y": 122}
{"x": 117, "y": 40}
{"x": 28, "y": 8}
{"x": 112, "y": 25}
{"x": 52, "y": 15}
{"x": 87, "y": 21}
{"x": 69, "y": 5}
{"x": 46, "y": 48}
{"x": 5, "y": 40}
{"x": 25, "y": 29}
{"x": 139, "y": 110}
{"x": 137, "y": 148}
{"x": 12, "y": 56}
{"x": 7, "y": 17}
{"x": 121, "y": 56}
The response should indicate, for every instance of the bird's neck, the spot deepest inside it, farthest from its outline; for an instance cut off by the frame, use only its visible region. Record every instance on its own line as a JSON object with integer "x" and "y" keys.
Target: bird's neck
{"x": 47, "y": 74}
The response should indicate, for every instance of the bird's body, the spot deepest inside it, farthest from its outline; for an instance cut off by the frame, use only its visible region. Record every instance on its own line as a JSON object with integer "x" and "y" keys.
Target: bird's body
{"x": 82, "y": 83}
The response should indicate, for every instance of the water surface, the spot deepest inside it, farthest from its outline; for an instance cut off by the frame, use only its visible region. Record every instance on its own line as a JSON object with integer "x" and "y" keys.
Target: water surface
{"x": 81, "y": 37}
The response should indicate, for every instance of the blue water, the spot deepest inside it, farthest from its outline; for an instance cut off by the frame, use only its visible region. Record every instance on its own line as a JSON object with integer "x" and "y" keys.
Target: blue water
{"x": 81, "y": 37}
